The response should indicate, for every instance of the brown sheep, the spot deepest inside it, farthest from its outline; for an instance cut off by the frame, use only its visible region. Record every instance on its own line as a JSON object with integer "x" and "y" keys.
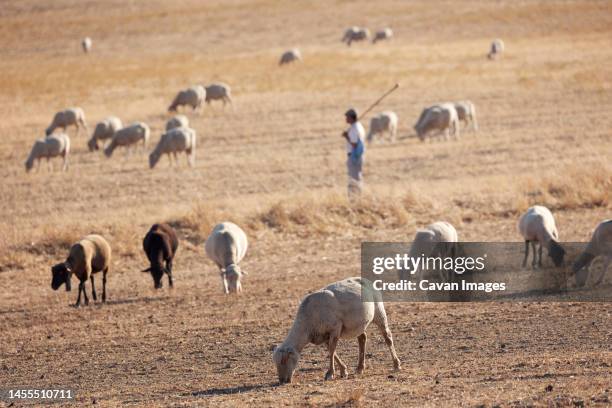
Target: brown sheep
{"x": 90, "y": 255}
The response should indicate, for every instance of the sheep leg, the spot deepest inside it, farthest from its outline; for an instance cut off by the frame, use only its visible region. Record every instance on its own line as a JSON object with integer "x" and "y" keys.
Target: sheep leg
{"x": 526, "y": 254}
{"x": 333, "y": 342}
{"x": 383, "y": 327}
{"x": 78, "y": 302}
{"x": 65, "y": 165}
{"x": 175, "y": 158}
{"x": 604, "y": 270}
{"x": 49, "y": 166}
{"x": 104, "y": 285}
{"x": 540, "y": 256}
{"x": 93, "y": 288}
{"x": 362, "y": 347}
{"x": 343, "y": 368}
{"x": 84, "y": 293}
{"x": 169, "y": 272}
{"x": 535, "y": 254}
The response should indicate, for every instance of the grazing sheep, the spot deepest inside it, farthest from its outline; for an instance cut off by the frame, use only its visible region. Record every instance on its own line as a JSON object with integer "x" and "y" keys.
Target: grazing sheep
{"x": 86, "y": 44}
{"x": 497, "y": 48}
{"x": 600, "y": 245}
{"x": 384, "y": 34}
{"x": 69, "y": 117}
{"x": 383, "y": 122}
{"x": 176, "y": 140}
{"x": 466, "y": 112}
{"x": 51, "y": 146}
{"x": 442, "y": 117}
{"x": 290, "y": 56}
{"x": 160, "y": 245}
{"x": 193, "y": 97}
{"x": 355, "y": 34}
{"x": 219, "y": 91}
{"x": 177, "y": 121}
{"x": 226, "y": 246}
{"x": 537, "y": 225}
{"x": 427, "y": 242}
{"x": 104, "y": 130}
{"x": 128, "y": 136}
{"x": 90, "y": 255}
{"x": 334, "y": 312}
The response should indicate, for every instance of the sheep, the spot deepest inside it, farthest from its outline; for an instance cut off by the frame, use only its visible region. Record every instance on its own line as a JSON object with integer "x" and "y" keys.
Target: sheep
{"x": 104, "y": 130}
{"x": 69, "y": 117}
{"x": 383, "y": 122}
{"x": 334, "y": 312}
{"x": 226, "y": 246}
{"x": 441, "y": 117}
{"x": 600, "y": 245}
{"x": 466, "y": 112}
{"x": 355, "y": 34}
{"x": 160, "y": 245}
{"x": 427, "y": 242}
{"x": 193, "y": 97}
{"x": 537, "y": 225}
{"x": 384, "y": 34}
{"x": 177, "y": 121}
{"x": 176, "y": 140}
{"x": 497, "y": 48}
{"x": 290, "y": 56}
{"x": 88, "y": 256}
{"x": 128, "y": 136}
{"x": 51, "y": 146}
{"x": 218, "y": 91}
{"x": 86, "y": 44}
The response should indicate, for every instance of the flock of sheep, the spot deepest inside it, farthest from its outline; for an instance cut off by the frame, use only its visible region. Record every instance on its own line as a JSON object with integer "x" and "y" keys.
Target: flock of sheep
{"x": 334, "y": 312}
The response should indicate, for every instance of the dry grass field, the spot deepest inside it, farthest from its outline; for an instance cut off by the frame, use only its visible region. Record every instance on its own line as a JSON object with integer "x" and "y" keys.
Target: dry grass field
{"x": 274, "y": 163}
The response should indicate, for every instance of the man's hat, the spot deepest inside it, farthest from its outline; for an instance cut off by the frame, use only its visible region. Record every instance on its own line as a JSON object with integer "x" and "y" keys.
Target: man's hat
{"x": 351, "y": 113}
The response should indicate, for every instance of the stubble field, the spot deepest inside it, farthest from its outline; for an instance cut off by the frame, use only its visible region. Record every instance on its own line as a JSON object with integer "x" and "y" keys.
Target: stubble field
{"x": 274, "y": 163}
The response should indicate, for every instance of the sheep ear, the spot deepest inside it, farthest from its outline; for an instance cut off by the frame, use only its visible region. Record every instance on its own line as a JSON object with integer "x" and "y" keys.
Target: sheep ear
{"x": 146, "y": 270}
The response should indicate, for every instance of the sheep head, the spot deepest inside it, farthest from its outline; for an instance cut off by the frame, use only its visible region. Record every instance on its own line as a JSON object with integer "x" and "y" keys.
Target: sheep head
{"x": 231, "y": 278}
{"x": 556, "y": 253}
{"x": 286, "y": 360}
{"x": 157, "y": 272}
{"x": 61, "y": 274}
{"x": 153, "y": 159}
{"x": 92, "y": 144}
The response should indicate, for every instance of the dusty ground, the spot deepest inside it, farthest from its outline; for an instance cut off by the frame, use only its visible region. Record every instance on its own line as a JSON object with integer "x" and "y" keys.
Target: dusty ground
{"x": 275, "y": 164}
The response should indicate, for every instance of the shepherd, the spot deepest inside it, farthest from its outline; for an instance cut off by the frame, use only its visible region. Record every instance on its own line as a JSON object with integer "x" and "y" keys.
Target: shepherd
{"x": 355, "y": 150}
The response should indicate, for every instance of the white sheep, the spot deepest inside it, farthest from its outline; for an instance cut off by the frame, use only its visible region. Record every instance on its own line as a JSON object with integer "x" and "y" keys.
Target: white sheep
{"x": 537, "y": 226}
{"x": 177, "y": 121}
{"x": 355, "y": 34}
{"x": 86, "y": 44}
{"x": 497, "y": 48}
{"x": 69, "y": 117}
{"x": 226, "y": 246}
{"x": 327, "y": 315}
{"x": 384, "y": 34}
{"x": 104, "y": 130}
{"x": 175, "y": 140}
{"x": 466, "y": 112}
{"x": 290, "y": 56}
{"x": 600, "y": 245}
{"x": 51, "y": 146}
{"x": 442, "y": 117}
{"x": 219, "y": 91}
{"x": 383, "y": 122}
{"x": 193, "y": 96}
{"x": 129, "y": 136}
{"x": 436, "y": 240}
{"x": 90, "y": 255}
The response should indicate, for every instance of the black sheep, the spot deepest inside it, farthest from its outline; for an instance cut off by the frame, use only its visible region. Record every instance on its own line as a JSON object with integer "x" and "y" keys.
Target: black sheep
{"x": 160, "y": 245}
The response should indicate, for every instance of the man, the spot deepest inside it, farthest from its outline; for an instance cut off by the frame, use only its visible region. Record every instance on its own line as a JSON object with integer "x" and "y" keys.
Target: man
{"x": 354, "y": 149}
